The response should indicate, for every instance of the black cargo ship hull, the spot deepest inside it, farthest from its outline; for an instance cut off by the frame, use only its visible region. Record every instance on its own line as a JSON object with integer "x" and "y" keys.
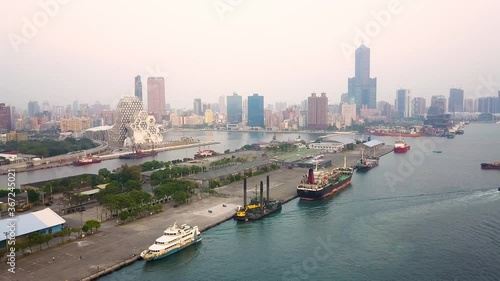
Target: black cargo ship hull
{"x": 325, "y": 192}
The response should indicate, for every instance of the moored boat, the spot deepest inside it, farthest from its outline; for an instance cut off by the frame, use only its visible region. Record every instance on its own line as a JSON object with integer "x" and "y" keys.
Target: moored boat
{"x": 320, "y": 184}
{"x": 491, "y": 166}
{"x": 174, "y": 239}
{"x": 86, "y": 161}
{"x": 139, "y": 154}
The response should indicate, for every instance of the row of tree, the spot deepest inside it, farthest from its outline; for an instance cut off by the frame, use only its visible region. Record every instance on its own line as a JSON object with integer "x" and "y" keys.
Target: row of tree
{"x": 48, "y": 147}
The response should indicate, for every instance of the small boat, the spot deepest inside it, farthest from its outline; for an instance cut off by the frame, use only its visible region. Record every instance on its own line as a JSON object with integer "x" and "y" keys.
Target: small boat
{"x": 491, "y": 166}
{"x": 400, "y": 146}
{"x": 450, "y": 136}
{"x": 86, "y": 161}
{"x": 437, "y": 151}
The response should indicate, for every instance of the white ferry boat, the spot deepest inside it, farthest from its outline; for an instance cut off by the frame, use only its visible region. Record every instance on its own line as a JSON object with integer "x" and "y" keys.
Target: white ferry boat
{"x": 174, "y": 239}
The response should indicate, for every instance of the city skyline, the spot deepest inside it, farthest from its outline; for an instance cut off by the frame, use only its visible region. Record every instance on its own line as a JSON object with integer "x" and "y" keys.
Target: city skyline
{"x": 313, "y": 54}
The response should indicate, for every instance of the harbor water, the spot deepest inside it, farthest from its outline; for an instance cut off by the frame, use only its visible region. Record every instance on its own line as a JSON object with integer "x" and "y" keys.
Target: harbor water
{"x": 417, "y": 216}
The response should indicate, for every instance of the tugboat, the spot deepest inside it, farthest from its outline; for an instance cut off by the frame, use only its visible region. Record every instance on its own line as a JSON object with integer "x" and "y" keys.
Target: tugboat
{"x": 400, "y": 146}
{"x": 174, "y": 239}
{"x": 258, "y": 208}
{"x": 491, "y": 166}
{"x": 321, "y": 184}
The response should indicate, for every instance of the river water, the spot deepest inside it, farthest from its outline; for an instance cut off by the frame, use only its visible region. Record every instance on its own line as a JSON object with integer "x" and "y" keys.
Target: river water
{"x": 417, "y": 216}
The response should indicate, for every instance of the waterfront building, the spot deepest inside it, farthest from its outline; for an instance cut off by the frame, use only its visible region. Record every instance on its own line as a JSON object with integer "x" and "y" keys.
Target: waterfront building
{"x": 403, "y": 107}
{"x": 197, "y": 107}
{"x": 234, "y": 109}
{"x": 469, "y": 105}
{"x": 156, "y": 96}
{"x": 209, "y": 116}
{"x": 438, "y": 105}
{"x": 5, "y": 118}
{"x": 15, "y": 136}
{"x": 33, "y": 108}
{"x": 255, "y": 111}
{"x": 222, "y": 105}
{"x": 138, "y": 87}
{"x": 76, "y": 124}
{"x": 489, "y": 105}
{"x": 362, "y": 90}
{"x": 134, "y": 124}
{"x": 317, "y": 112}
{"x": 456, "y": 100}
{"x": 418, "y": 107}
{"x": 348, "y": 114}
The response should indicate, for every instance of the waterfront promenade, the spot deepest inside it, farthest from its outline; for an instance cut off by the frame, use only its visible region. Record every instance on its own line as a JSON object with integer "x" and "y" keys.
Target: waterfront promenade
{"x": 113, "y": 244}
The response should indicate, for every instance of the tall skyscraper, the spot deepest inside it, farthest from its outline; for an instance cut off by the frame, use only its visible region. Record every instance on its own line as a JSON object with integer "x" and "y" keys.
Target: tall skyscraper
{"x": 438, "y": 105}
{"x": 234, "y": 109}
{"x": 156, "y": 96}
{"x": 317, "y": 112}
{"x": 138, "y": 87}
{"x": 418, "y": 106}
{"x": 456, "y": 101}
{"x": 33, "y": 108}
{"x": 222, "y": 105}
{"x": 255, "y": 111}
{"x": 362, "y": 89}
{"x": 5, "y": 118}
{"x": 75, "y": 108}
{"x": 403, "y": 103}
{"x": 245, "y": 109}
{"x": 469, "y": 105}
{"x": 197, "y": 107}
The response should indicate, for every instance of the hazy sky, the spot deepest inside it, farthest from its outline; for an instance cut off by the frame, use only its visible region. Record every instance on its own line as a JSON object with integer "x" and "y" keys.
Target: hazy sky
{"x": 283, "y": 49}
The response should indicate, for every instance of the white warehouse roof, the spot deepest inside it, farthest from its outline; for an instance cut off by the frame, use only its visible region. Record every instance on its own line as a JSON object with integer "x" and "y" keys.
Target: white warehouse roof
{"x": 31, "y": 222}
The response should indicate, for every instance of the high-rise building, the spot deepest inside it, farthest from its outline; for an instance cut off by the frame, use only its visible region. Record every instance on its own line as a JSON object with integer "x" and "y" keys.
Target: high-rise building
{"x": 245, "y": 109}
{"x": 362, "y": 90}
{"x": 222, "y": 105}
{"x": 156, "y": 96}
{"x": 5, "y": 118}
{"x": 138, "y": 87}
{"x": 403, "y": 103}
{"x": 456, "y": 101}
{"x": 418, "y": 106}
{"x": 255, "y": 111}
{"x": 33, "y": 108}
{"x": 280, "y": 106}
{"x": 344, "y": 98}
{"x": 438, "y": 105}
{"x": 75, "y": 108}
{"x": 234, "y": 109}
{"x": 197, "y": 107}
{"x": 317, "y": 112}
{"x": 209, "y": 116}
{"x": 348, "y": 114}
{"x": 469, "y": 105}
{"x": 489, "y": 105}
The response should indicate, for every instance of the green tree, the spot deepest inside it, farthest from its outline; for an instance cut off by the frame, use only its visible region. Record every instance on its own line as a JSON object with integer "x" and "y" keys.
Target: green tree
{"x": 36, "y": 238}
{"x": 33, "y": 196}
{"x": 124, "y": 215}
{"x": 104, "y": 173}
{"x": 46, "y": 238}
{"x": 93, "y": 224}
{"x": 85, "y": 228}
{"x": 180, "y": 197}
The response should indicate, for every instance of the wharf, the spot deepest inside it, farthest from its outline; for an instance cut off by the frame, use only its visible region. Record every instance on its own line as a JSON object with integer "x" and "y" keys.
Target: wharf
{"x": 113, "y": 247}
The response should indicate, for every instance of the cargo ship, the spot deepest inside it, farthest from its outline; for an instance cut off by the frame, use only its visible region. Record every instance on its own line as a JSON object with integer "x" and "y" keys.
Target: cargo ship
{"x": 138, "y": 154}
{"x": 258, "y": 208}
{"x": 174, "y": 239}
{"x": 365, "y": 164}
{"x": 400, "y": 146}
{"x": 320, "y": 184}
{"x": 86, "y": 161}
{"x": 491, "y": 166}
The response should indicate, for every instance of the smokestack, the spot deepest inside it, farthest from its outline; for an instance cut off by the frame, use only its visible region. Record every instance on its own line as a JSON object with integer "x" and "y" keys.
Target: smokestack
{"x": 244, "y": 193}
{"x": 261, "y": 196}
{"x": 310, "y": 178}
{"x": 267, "y": 186}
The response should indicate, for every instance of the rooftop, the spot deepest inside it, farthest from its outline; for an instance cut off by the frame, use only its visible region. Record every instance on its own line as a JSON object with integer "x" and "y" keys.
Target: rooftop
{"x": 31, "y": 222}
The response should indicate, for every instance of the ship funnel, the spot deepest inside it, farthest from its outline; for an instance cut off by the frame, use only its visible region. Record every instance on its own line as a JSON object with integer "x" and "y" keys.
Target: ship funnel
{"x": 244, "y": 193}
{"x": 267, "y": 187}
{"x": 310, "y": 177}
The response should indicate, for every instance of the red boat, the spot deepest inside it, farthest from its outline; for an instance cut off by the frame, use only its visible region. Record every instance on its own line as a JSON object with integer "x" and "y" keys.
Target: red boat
{"x": 400, "y": 146}
{"x": 86, "y": 161}
{"x": 204, "y": 153}
{"x": 491, "y": 166}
